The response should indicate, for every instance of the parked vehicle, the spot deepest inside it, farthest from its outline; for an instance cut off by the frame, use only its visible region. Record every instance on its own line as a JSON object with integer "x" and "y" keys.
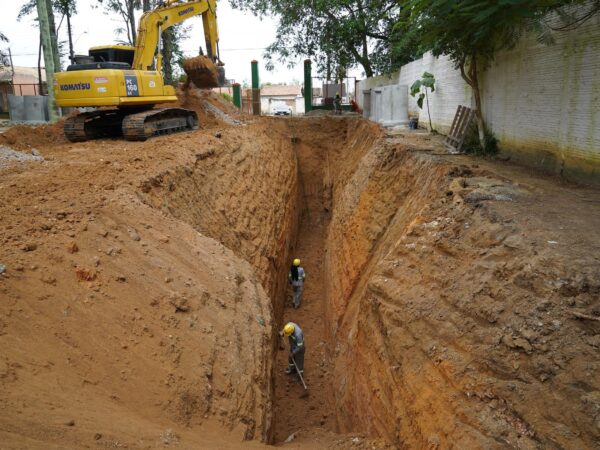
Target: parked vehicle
{"x": 281, "y": 109}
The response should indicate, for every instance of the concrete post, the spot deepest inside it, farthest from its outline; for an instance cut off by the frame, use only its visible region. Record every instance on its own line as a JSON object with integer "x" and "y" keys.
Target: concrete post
{"x": 307, "y": 86}
{"x": 48, "y": 57}
{"x": 237, "y": 95}
{"x": 255, "y": 89}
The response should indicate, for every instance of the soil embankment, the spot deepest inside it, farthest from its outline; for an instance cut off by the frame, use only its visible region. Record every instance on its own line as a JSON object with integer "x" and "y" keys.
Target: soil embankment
{"x": 120, "y": 322}
{"x": 454, "y": 293}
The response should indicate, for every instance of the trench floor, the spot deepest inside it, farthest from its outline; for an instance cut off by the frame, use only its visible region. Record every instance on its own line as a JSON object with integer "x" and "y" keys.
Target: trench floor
{"x": 293, "y": 411}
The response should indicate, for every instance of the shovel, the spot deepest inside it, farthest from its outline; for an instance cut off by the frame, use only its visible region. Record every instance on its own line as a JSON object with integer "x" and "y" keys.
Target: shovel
{"x": 305, "y": 393}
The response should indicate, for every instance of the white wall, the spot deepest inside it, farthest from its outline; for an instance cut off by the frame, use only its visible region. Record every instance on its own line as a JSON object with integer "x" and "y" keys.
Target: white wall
{"x": 542, "y": 102}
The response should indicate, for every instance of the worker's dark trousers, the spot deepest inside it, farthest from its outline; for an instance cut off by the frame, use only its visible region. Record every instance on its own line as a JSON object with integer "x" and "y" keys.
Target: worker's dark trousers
{"x": 299, "y": 357}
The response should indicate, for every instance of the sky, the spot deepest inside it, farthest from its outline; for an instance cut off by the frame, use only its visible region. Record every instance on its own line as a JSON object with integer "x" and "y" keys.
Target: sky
{"x": 243, "y": 37}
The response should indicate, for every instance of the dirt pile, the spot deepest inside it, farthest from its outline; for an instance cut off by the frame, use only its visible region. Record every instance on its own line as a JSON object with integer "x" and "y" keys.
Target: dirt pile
{"x": 26, "y": 137}
{"x": 219, "y": 110}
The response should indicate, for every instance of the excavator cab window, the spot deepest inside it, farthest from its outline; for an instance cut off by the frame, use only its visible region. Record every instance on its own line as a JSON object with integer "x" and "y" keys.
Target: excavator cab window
{"x": 112, "y": 54}
{"x": 110, "y": 57}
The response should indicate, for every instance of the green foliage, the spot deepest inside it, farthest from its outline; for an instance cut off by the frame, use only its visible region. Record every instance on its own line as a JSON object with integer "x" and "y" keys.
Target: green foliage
{"x": 421, "y": 87}
{"x": 468, "y": 29}
{"x": 126, "y": 9}
{"x": 471, "y": 32}
{"x": 227, "y": 97}
{"x": 172, "y": 51}
{"x": 427, "y": 81}
{"x": 59, "y": 6}
{"x": 333, "y": 33}
{"x": 473, "y": 146}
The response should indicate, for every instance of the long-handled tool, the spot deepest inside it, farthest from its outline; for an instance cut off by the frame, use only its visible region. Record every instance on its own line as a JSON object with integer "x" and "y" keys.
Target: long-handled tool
{"x": 301, "y": 378}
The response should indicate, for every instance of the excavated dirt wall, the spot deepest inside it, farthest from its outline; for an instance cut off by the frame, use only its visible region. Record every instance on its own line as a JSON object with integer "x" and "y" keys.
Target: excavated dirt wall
{"x": 122, "y": 325}
{"x": 451, "y": 303}
{"x": 242, "y": 192}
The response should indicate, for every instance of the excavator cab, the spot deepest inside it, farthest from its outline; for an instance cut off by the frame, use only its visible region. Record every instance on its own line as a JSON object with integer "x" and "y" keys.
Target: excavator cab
{"x": 106, "y": 57}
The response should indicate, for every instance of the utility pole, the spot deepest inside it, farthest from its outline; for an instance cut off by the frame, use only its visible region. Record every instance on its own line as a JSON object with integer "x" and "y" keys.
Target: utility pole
{"x": 48, "y": 56}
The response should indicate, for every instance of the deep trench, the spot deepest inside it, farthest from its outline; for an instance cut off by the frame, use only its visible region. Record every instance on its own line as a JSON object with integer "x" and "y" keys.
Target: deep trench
{"x": 293, "y": 409}
{"x": 287, "y": 213}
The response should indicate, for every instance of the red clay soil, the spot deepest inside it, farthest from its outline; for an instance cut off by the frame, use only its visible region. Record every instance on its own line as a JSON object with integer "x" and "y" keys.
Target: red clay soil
{"x": 294, "y": 412}
{"x": 457, "y": 290}
{"x": 451, "y": 302}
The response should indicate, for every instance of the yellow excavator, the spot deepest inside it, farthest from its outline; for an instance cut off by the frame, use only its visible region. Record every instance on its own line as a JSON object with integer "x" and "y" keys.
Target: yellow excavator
{"x": 125, "y": 82}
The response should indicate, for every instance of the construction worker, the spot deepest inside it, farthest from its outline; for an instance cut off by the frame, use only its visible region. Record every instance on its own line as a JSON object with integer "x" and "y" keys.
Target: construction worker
{"x": 296, "y": 279}
{"x": 337, "y": 103}
{"x": 296, "y": 339}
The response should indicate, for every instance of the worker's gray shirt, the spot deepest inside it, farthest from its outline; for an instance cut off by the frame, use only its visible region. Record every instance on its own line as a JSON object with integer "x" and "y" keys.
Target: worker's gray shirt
{"x": 296, "y": 339}
{"x": 301, "y": 277}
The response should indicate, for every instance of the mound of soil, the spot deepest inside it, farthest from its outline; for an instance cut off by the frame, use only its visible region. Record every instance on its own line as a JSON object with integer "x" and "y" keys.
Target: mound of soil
{"x": 25, "y": 137}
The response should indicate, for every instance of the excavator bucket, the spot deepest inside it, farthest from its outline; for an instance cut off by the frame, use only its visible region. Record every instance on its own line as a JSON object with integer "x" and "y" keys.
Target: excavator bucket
{"x": 203, "y": 72}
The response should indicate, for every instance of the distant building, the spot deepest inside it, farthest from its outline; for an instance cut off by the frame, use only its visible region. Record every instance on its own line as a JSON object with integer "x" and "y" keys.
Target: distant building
{"x": 24, "y": 81}
{"x": 290, "y": 95}
{"x": 271, "y": 95}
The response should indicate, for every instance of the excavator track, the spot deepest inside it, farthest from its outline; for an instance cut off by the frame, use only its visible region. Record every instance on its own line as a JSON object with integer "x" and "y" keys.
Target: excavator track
{"x": 143, "y": 125}
{"x": 136, "y": 126}
{"x": 94, "y": 125}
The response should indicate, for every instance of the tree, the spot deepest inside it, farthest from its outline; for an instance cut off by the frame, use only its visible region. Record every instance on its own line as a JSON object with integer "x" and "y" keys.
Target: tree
{"x": 334, "y": 33}
{"x": 426, "y": 83}
{"x": 3, "y": 37}
{"x": 62, "y": 7}
{"x": 172, "y": 52}
{"x": 126, "y": 9}
{"x": 67, "y": 8}
{"x": 471, "y": 32}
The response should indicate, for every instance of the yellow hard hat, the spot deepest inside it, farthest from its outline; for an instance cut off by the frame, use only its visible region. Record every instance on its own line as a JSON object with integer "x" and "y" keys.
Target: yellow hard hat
{"x": 288, "y": 329}
{"x": 296, "y": 262}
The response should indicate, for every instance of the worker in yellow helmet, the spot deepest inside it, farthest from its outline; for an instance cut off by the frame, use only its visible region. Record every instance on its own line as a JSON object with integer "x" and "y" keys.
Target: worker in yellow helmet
{"x": 296, "y": 278}
{"x": 295, "y": 337}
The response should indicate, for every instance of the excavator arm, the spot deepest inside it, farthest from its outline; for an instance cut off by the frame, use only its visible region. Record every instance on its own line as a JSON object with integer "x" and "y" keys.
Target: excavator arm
{"x": 170, "y": 13}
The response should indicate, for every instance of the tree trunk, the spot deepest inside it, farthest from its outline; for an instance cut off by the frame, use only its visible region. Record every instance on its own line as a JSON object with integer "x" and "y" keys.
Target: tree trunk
{"x": 39, "y": 66}
{"x": 53, "y": 38}
{"x": 478, "y": 110}
{"x": 43, "y": 17}
{"x": 428, "y": 110}
{"x": 131, "y": 17}
{"x": 365, "y": 58}
{"x": 168, "y": 37}
{"x": 70, "y": 33}
{"x": 472, "y": 80}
